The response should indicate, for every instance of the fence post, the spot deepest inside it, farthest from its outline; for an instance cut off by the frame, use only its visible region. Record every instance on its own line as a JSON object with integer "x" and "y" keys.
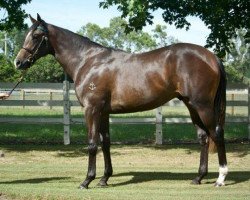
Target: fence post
{"x": 248, "y": 111}
{"x": 158, "y": 118}
{"x": 23, "y": 97}
{"x": 50, "y": 98}
{"x": 66, "y": 115}
{"x": 232, "y": 108}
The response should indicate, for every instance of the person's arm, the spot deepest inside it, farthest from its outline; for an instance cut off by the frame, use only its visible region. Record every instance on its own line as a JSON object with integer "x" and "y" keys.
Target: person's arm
{"x": 4, "y": 95}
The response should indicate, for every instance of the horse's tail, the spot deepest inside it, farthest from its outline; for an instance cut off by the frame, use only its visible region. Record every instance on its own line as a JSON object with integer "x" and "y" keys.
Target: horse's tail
{"x": 219, "y": 105}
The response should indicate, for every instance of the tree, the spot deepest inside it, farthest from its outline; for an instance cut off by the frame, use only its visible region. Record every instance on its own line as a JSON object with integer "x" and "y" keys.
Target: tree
{"x": 160, "y": 35}
{"x": 238, "y": 60}
{"x": 222, "y": 17}
{"x": 15, "y": 41}
{"x": 8, "y": 73}
{"x": 114, "y": 36}
{"x": 46, "y": 70}
{"x": 7, "y": 70}
{"x": 13, "y": 14}
{"x": 135, "y": 41}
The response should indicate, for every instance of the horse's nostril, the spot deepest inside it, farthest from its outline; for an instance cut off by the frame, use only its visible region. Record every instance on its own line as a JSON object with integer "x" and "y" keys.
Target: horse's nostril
{"x": 17, "y": 63}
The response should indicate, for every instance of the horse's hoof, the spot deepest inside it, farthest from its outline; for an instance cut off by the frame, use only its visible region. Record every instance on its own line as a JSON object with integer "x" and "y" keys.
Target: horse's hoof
{"x": 102, "y": 184}
{"x": 218, "y": 184}
{"x": 195, "y": 182}
{"x": 83, "y": 187}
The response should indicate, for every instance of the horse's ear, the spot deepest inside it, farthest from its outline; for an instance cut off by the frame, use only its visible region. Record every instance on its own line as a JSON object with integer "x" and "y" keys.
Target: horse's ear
{"x": 32, "y": 19}
{"x": 39, "y": 18}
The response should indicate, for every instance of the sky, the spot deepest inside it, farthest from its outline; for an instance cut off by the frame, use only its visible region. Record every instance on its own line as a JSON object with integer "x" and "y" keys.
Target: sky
{"x": 73, "y": 14}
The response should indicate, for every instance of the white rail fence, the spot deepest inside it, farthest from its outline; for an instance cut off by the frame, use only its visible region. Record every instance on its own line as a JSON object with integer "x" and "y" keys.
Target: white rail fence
{"x": 65, "y": 90}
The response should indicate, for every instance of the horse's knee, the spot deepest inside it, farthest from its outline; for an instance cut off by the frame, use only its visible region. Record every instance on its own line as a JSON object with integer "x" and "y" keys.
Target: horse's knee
{"x": 202, "y": 137}
{"x": 219, "y": 135}
{"x": 92, "y": 149}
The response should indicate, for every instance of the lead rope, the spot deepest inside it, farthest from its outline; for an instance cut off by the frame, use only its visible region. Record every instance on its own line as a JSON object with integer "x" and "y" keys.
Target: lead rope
{"x": 31, "y": 59}
{"x": 19, "y": 81}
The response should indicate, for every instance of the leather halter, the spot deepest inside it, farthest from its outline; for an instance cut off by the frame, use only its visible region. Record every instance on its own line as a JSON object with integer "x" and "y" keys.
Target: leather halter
{"x": 33, "y": 53}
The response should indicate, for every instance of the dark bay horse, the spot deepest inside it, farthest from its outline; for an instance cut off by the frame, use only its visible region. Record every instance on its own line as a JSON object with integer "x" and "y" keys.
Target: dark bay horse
{"x": 113, "y": 81}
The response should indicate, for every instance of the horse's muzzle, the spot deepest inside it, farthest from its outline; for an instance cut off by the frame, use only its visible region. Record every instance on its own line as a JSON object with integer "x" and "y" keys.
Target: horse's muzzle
{"x": 22, "y": 64}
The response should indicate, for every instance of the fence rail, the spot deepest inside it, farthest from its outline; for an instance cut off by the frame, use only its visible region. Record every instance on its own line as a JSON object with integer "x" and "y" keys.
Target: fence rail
{"x": 63, "y": 91}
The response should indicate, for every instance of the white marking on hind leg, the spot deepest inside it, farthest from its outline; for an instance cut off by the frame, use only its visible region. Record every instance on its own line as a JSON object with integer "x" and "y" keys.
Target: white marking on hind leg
{"x": 223, "y": 171}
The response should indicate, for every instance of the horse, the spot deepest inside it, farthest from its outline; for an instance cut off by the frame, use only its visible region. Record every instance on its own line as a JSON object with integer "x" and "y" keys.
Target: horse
{"x": 109, "y": 81}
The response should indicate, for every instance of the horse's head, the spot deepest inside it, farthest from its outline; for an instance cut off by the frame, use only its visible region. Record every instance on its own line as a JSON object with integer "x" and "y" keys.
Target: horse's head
{"x": 36, "y": 44}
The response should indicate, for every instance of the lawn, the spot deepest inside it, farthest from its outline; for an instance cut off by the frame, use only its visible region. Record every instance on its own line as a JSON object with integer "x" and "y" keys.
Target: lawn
{"x": 36, "y": 166}
{"x": 120, "y": 133}
{"x": 140, "y": 172}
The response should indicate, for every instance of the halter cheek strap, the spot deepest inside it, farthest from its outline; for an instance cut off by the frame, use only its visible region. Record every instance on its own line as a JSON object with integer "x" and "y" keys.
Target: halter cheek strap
{"x": 33, "y": 53}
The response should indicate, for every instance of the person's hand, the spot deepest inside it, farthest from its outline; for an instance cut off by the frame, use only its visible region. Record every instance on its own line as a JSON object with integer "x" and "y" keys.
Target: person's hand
{"x": 4, "y": 96}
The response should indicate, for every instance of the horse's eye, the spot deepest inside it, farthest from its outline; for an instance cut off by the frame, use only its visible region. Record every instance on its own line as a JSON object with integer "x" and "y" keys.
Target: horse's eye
{"x": 35, "y": 36}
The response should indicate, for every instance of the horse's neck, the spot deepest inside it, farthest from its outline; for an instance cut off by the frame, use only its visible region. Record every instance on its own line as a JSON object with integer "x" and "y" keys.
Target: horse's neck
{"x": 70, "y": 49}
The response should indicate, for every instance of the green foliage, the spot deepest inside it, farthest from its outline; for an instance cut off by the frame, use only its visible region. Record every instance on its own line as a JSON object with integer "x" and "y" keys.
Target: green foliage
{"x": 46, "y": 69}
{"x": 7, "y": 70}
{"x": 114, "y": 36}
{"x": 15, "y": 39}
{"x": 13, "y": 14}
{"x": 135, "y": 41}
{"x": 238, "y": 60}
{"x": 222, "y": 17}
{"x": 160, "y": 36}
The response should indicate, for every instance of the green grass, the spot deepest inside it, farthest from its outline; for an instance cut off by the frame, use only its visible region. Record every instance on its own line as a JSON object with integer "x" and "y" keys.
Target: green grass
{"x": 37, "y": 112}
{"x": 178, "y": 111}
{"x": 140, "y": 172}
{"x": 120, "y": 133}
{"x": 52, "y": 171}
{"x": 53, "y": 134}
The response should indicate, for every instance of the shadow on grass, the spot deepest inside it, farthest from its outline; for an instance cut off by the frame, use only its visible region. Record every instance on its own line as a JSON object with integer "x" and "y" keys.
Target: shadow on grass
{"x": 233, "y": 177}
{"x": 34, "y": 180}
{"x": 239, "y": 149}
{"x": 62, "y": 150}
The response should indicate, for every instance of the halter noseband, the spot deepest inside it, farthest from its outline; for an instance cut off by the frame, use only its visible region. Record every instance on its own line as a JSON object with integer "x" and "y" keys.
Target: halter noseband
{"x": 33, "y": 53}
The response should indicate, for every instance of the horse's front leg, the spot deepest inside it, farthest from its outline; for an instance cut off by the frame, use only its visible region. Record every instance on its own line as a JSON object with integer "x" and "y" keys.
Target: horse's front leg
{"x": 92, "y": 117}
{"x": 105, "y": 142}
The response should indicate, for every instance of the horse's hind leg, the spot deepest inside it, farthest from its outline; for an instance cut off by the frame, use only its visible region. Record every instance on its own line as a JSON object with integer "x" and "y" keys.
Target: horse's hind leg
{"x": 203, "y": 168}
{"x": 105, "y": 142}
{"x": 220, "y": 144}
{"x": 203, "y": 139}
{"x": 216, "y": 133}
